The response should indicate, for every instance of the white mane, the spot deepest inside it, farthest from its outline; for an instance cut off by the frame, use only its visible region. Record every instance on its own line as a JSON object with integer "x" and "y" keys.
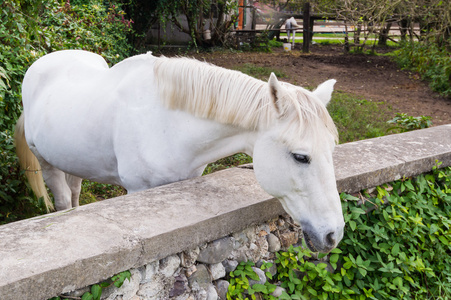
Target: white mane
{"x": 231, "y": 97}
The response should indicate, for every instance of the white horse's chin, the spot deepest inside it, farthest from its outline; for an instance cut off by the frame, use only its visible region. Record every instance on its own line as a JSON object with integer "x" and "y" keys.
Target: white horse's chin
{"x": 322, "y": 237}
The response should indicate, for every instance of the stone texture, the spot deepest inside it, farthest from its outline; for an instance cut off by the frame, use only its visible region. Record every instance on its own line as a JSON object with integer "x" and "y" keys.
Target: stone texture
{"x": 230, "y": 265}
{"x": 222, "y": 286}
{"x": 278, "y": 292}
{"x": 72, "y": 249}
{"x": 217, "y": 271}
{"x": 212, "y": 294}
{"x": 372, "y": 162}
{"x": 180, "y": 286}
{"x": 169, "y": 265}
{"x": 150, "y": 270}
{"x": 201, "y": 277}
{"x": 189, "y": 257}
{"x": 273, "y": 243}
{"x": 128, "y": 289}
{"x": 261, "y": 275}
{"x": 288, "y": 238}
{"x": 156, "y": 288}
{"x": 216, "y": 251}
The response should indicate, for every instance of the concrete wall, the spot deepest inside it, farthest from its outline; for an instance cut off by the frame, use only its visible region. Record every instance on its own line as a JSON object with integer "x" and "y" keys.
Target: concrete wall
{"x": 64, "y": 251}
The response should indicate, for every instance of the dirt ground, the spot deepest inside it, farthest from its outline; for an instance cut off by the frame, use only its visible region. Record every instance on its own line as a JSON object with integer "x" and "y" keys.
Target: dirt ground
{"x": 374, "y": 78}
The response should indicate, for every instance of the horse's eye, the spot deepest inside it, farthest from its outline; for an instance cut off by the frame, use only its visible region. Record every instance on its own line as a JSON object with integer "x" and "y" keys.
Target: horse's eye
{"x": 303, "y": 159}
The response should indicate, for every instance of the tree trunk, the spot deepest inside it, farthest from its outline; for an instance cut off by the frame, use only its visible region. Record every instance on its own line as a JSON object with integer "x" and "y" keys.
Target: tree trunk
{"x": 306, "y": 28}
{"x": 383, "y": 34}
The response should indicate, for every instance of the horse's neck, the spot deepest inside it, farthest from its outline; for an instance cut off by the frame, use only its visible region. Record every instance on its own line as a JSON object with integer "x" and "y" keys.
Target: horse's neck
{"x": 223, "y": 141}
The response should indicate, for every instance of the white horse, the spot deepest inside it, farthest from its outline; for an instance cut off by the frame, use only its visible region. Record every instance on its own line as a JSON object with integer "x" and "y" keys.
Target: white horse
{"x": 150, "y": 121}
{"x": 291, "y": 25}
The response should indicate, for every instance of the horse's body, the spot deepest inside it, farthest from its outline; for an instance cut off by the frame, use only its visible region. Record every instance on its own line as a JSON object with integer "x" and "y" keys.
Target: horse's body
{"x": 150, "y": 121}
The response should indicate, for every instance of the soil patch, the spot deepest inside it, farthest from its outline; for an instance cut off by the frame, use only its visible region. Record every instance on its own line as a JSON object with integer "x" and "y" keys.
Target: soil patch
{"x": 374, "y": 78}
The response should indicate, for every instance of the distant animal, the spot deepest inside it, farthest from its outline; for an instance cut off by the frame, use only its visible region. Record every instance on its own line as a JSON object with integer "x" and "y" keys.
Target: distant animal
{"x": 291, "y": 26}
{"x": 149, "y": 121}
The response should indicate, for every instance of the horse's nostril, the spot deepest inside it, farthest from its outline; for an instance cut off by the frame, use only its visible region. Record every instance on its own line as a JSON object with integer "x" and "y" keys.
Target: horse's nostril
{"x": 330, "y": 239}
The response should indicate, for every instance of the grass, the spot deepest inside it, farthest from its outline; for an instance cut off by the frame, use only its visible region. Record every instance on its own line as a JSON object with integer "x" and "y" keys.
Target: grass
{"x": 337, "y": 38}
{"x": 357, "y": 118}
{"x": 92, "y": 191}
{"x": 261, "y": 73}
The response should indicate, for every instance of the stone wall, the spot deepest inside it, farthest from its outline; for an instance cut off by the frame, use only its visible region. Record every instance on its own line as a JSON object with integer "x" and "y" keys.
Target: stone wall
{"x": 215, "y": 220}
{"x": 199, "y": 273}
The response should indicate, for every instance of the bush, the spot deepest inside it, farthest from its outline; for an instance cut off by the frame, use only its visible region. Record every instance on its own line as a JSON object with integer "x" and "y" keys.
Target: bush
{"x": 397, "y": 245}
{"x": 430, "y": 61}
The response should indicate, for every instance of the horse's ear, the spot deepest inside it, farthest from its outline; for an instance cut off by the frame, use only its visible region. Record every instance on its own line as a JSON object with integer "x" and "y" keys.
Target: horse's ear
{"x": 275, "y": 91}
{"x": 324, "y": 91}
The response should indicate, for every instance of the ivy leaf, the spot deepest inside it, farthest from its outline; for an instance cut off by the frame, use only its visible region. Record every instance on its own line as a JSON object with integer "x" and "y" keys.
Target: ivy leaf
{"x": 312, "y": 291}
{"x": 96, "y": 291}
{"x": 260, "y": 288}
{"x": 353, "y": 225}
{"x": 87, "y": 296}
{"x": 443, "y": 240}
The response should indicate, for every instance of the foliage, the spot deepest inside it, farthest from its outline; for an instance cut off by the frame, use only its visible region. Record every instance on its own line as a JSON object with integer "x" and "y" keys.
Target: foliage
{"x": 217, "y": 16}
{"x": 403, "y": 123}
{"x": 356, "y": 118}
{"x": 397, "y": 245}
{"x": 95, "y": 292}
{"x": 92, "y": 191}
{"x": 15, "y": 199}
{"x": 433, "y": 63}
{"x": 228, "y": 162}
{"x": 29, "y": 30}
{"x": 262, "y": 73}
{"x": 240, "y": 286}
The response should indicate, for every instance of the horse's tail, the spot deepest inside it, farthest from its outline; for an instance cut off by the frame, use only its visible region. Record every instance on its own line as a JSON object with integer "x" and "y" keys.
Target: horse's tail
{"x": 29, "y": 163}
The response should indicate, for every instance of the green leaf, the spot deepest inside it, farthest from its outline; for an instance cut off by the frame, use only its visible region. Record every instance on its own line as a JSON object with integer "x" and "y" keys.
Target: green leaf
{"x": 87, "y": 296}
{"x": 285, "y": 296}
{"x": 347, "y": 265}
{"x": 334, "y": 258}
{"x": 96, "y": 291}
{"x": 269, "y": 275}
{"x": 353, "y": 225}
{"x": 395, "y": 250}
{"x": 443, "y": 240}
{"x": 312, "y": 291}
{"x": 259, "y": 288}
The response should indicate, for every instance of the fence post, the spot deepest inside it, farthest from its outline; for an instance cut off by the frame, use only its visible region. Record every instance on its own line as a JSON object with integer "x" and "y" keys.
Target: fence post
{"x": 306, "y": 28}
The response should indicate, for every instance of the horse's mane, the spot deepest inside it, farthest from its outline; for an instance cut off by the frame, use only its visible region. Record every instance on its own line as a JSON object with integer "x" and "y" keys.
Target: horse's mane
{"x": 231, "y": 97}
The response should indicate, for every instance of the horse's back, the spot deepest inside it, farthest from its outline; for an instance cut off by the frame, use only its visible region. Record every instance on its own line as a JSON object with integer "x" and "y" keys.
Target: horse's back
{"x": 65, "y": 98}
{"x": 78, "y": 111}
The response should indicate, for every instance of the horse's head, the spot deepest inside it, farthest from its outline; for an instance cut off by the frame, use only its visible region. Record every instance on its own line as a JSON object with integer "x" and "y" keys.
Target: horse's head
{"x": 293, "y": 162}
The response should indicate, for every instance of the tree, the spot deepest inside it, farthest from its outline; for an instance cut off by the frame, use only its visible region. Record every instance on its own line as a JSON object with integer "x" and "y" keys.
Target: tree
{"x": 217, "y": 16}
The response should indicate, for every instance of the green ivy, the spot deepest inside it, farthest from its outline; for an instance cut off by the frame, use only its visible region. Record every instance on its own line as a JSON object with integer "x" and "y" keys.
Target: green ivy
{"x": 432, "y": 62}
{"x": 403, "y": 123}
{"x": 95, "y": 292}
{"x": 397, "y": 245}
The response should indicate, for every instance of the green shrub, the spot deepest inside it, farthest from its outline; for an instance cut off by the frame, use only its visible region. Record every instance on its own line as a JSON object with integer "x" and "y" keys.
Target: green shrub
{"x": 430, "y": 61}
{"x": 16, "y": 202}
{"x": 397, "y": 245}
{"x": 403, "y": 123}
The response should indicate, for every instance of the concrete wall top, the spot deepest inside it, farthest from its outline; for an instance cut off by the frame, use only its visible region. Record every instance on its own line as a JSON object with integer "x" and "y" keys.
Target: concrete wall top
{"x": 63, "y": 251}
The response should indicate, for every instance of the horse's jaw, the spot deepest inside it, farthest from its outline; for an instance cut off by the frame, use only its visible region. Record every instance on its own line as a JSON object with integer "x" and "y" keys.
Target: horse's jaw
{"x": 322, "y": 228}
